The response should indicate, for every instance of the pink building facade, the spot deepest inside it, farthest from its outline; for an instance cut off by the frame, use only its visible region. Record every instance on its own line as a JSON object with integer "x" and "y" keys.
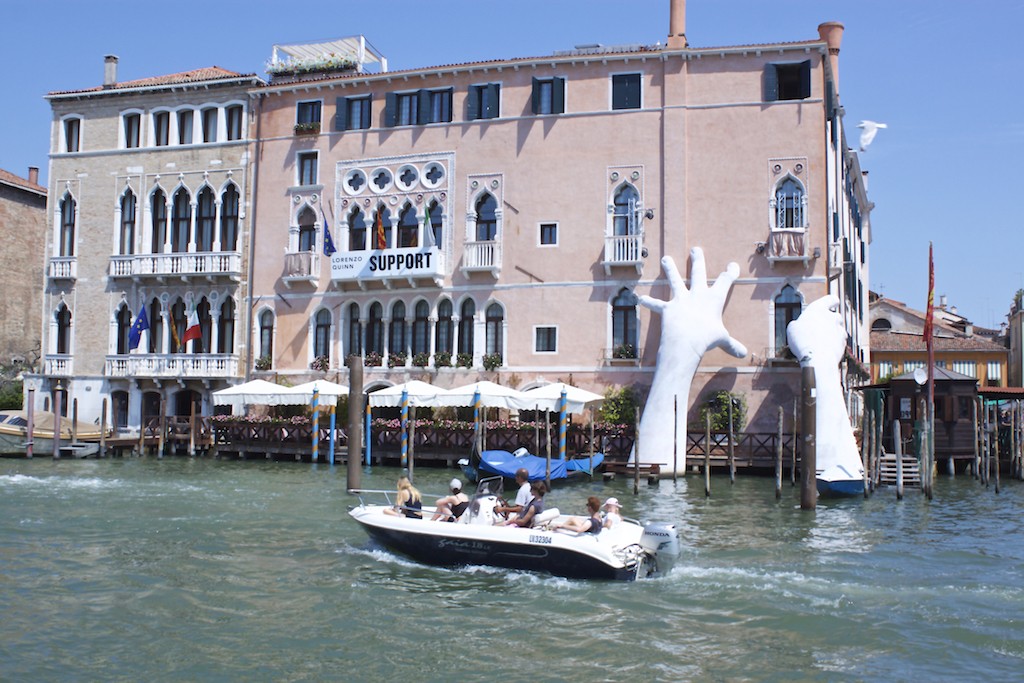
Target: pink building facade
{"x": 498, "y": 219}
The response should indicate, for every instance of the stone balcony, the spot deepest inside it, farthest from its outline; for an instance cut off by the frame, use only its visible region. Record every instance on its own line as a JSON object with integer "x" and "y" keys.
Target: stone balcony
{"x": 173, "y": 365}
{"x": 209, "y": 265}
{"x": 623, "y": 251}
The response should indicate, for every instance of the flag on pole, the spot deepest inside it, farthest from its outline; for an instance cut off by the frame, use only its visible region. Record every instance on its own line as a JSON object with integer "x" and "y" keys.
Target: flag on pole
{"x": 135, "y": 333}
{"x": 382, "y": 240}
{"x": 428, "y": 230}
{"x": 328, "y": 242}
{"x": 929, "y": 315}
{"x": 192, "y": 329}
{"x": 174, "y": 335}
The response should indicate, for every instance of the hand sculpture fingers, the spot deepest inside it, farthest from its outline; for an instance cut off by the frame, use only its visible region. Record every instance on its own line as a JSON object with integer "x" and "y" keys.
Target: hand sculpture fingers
{"x": 675, "y": 279}
{"x": 720, "y": 290}
{"x": 698, "y": 270}
{"x": 734, "y": 347}
{"x": 656, "y": 305}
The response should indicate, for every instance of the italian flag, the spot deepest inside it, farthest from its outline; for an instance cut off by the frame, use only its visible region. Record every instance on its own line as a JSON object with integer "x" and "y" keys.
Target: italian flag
{"x": 192, "y": 330}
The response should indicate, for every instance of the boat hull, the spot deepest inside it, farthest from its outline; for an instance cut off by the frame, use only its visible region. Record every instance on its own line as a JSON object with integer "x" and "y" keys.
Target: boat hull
{"x": 840, "y": 488}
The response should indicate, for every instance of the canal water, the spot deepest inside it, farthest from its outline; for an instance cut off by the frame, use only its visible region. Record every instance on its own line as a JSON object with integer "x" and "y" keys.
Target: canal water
{"x": 204, "y": 570}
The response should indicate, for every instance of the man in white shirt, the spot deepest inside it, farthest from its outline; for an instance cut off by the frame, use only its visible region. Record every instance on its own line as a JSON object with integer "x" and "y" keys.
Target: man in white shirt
{"x": 523, "y": 495}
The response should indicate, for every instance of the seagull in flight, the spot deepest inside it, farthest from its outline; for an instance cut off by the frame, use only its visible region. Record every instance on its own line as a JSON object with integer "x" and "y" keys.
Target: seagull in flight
{"x": 868, "y": 131}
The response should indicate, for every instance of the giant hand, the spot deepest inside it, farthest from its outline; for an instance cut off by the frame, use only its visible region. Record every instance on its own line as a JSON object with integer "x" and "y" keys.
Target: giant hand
{"x": 691, "y": 325}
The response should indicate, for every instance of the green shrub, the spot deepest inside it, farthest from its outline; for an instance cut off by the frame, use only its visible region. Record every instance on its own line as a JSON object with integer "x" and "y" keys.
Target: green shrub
{"x": 619, "y": 406}
{"x": 11, "y": 395}
{"x": 717, "y": 404}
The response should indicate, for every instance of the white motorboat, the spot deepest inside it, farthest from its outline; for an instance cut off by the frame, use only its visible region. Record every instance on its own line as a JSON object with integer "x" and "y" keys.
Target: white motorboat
{"x": 14, "y": 435}
{"x": 625, "y": 552}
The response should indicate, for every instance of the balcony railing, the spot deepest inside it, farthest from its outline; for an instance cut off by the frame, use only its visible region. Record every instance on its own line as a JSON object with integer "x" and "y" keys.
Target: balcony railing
{"x": 623, "y": 250}
{"x": 198, "y": 365}
{"x": 787, "y": 244}
{"x": 301, "y": 266}
{"x": 63, "y": 267}
{"x": 482, "y": 256}
{"x": 59, "y": 365}
{"x": 204, "y": 263}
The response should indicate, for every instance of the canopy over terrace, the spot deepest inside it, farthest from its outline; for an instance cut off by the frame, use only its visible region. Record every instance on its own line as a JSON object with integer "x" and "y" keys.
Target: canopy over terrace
{"x": 327, "y": 392}
{"x": 549, "y": 397}
{"x": 416, "y": 393}
{"x": 257, "y": 392}
{"x": 489, "y": 394}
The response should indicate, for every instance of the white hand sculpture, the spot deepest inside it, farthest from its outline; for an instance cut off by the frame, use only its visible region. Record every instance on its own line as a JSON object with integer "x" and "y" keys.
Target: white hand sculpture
{"x": 818, "y": 339}
{"x": 691, "y": 325}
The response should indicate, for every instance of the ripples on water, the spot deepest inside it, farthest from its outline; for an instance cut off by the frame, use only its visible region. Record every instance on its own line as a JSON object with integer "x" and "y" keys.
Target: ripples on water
{"x": 182, "y": 570}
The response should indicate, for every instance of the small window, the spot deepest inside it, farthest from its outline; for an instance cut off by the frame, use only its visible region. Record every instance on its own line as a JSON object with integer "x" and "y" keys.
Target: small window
{"x": 548, "y": 95}
{"x": 161, "y": 128}
{"x": 322, "y": 334}
{"x": 185, "y": 127}
{"x": 402, "y": 109}
{"x": 548, "y": 234}
{"x": 210, "y": 124}
{"x": 787, "y": 81}
{"x": 545, "y": 340}
{"x": 484, "y": 101}
{"x": 132, "y": 123}
{"x": 308, "y": 112}
{"x": 233, "y": 115}
{"x": 626, "y": 91}
{"x": 72, "y": 132}
{"x": 435, "y": 106}
{"x": 307, "y": 230}
{"x": 787, "y": 309}
{"x": 352, "y": 113}
{"x": 306, "y": 162}
{"x": 994, "y": 372}
{"x": 881, "y": 325}
{"x": 486, "y": 218}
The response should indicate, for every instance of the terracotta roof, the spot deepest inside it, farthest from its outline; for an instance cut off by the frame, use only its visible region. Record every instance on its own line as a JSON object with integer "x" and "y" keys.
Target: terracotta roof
{"x": 942, "y": 341}
{"x": 209, "y": 73}
{"x": 11, "y": 179}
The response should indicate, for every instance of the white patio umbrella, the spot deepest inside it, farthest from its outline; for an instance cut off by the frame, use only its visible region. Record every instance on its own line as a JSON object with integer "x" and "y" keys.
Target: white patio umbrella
{"x": 549, "y": 396}
{"x": 418, "y": 394}
{"x": 326, "y": 391}
{"x": 489, "y": 394}
{"x": 256, "y": 392}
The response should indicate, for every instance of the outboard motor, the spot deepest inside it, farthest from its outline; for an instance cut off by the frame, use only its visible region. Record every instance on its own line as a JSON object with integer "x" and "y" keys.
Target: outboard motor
{"x": 661, "y": 540}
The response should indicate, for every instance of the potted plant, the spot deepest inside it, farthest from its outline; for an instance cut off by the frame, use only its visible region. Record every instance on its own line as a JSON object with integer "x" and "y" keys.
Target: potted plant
{"x": 624, "y": 351}
{"x": 443, "y": 359}
{"x": 397, "y": 359}
{"x": 464, "y": 360}
{"x": 372, "y": 360}
{"x": 321, "y": 364}
{"x": 307, "y": 128}
{"x": 491, "y": 361}
{"x": 263, "y": 363}
{"x": 421, "y": 359}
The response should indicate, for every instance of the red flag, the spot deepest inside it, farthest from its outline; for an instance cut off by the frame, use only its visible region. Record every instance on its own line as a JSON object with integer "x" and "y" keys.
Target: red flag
{"x": 930, "y": 312}
{"x": 382, "y": 241}
{"x": 192, "y": 329}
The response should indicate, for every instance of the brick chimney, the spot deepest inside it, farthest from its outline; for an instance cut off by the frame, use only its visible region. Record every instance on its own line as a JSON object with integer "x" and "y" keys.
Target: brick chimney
{"x": 677, "y": 25}
{"x": 33, "y": 175}
{"x": 109, "y": 70}
{"x": 831, "y": 33}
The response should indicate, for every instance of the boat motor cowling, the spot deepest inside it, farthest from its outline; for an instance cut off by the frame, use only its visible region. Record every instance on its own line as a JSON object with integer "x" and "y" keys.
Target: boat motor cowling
{"x": 660, "y": 539}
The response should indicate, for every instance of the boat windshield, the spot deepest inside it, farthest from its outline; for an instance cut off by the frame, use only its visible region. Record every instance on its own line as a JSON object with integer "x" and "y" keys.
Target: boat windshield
{"x": 491, "y": 486}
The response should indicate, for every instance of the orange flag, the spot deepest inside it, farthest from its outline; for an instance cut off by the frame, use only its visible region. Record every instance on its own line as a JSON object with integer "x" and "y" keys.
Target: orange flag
{"x": 382, "y": 242}
{"x": 929, "y": 315}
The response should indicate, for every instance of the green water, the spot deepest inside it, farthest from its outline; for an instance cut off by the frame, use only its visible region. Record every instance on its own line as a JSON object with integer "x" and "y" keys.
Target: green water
{"x": 204, "y": 570}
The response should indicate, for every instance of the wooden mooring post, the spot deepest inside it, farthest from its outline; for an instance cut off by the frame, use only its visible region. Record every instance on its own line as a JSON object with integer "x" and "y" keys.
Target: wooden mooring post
{"x": 675, "y": 438}
{"x": 355, "y": 419}
{"x": 636, "y": 452}
{"x": 808, "y": 454}
{"x": 778, "y": 459}
{"x": 103, "y": 429}
{"x": 897, "y": 437}
{"x": 792, "y": 452}
{"x": 732, "y": 447}
{"x": 707, "y": 454}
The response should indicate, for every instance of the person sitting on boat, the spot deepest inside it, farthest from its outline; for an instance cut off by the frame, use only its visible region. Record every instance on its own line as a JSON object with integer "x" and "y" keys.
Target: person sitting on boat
{"x": 523, "y": 495}
{"x": 408, "y": 502}
{"x": 584, "y": 525}
{"x": 451, "y": 507}
{"x": 611, "y": 513}
{"x": 532, "y": 509}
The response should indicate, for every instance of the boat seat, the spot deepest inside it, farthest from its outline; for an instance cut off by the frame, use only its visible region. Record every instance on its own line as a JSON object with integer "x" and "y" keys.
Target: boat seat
{"x": 546, "y": 517}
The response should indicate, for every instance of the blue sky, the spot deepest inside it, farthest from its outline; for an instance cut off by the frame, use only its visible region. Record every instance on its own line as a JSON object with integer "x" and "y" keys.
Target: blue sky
{"x": 944, "y": 76}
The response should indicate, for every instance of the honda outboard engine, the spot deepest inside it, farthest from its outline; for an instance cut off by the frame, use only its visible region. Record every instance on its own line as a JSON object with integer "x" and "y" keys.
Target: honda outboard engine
{"x": 660, "y": 539}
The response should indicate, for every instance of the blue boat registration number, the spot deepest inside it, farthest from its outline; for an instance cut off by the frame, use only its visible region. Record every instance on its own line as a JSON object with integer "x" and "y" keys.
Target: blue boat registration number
{"x": 540, "y": 539}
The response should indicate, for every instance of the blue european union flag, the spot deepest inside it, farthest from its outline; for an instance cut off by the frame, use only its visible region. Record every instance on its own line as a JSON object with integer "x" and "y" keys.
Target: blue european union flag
{"x": 328, "y": 242}
{"x": 135, "y": 333}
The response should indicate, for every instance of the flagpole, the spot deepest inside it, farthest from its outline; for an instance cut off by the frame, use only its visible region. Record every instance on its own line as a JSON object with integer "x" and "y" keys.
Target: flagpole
{"x": 929, "y": 335}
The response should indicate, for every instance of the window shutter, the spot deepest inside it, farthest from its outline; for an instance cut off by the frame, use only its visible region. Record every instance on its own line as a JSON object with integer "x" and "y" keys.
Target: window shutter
{"x": 558, "y": 96}
{"x": 473, "y": 103}
{"x": 423, "y": 108}
{"x": 340, "y": 113}
{"x": 805, "y": 79}
{"x": 390, "y": 109}
{"x": 493, "y": 92}
{"x": 536, "y": 96}
{"x": 829, "y": 106}
{"x": 771, "y": 83}
{"x": 446, "y": 105}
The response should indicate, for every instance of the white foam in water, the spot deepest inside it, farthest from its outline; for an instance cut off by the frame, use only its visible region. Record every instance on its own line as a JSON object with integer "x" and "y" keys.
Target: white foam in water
{"x": 60, "y": 482}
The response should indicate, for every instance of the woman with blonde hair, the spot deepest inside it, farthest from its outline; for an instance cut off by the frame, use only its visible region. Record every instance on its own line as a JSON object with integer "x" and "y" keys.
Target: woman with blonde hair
{"x": 408, "y": 502}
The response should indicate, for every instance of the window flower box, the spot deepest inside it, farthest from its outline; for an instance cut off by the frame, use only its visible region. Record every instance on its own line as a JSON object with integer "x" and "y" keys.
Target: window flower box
{"x": 308, "y": 128}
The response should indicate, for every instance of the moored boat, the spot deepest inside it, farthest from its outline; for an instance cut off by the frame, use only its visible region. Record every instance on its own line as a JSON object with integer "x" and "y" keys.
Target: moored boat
{"x": 506, "y": 464}
{"x": 627, "y": 551}
{"x": 14, "y": 435}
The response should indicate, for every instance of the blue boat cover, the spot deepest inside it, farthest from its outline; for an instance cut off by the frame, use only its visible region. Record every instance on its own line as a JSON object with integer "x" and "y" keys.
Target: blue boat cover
{"x": 506, "y": 464}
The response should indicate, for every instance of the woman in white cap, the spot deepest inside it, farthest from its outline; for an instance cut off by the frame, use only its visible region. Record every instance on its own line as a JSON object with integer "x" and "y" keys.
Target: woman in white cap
{"x": 611, "y": 513}
{"x": 451, "y": 507}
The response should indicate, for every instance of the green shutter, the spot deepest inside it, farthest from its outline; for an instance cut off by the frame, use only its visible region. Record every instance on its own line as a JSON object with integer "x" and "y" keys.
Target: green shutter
{"x": 493, "y": 102}
{"x": 771, "y": 83}
{"x": 558, "y": 96}
{"x": 340, "y": 113}
{"x": 390, "y": 109}
{"x": 535, "y": 103}
{"x": 423, "y": 108}
{"x": 473, "y": 103}
{"x": 805, "y": 79}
